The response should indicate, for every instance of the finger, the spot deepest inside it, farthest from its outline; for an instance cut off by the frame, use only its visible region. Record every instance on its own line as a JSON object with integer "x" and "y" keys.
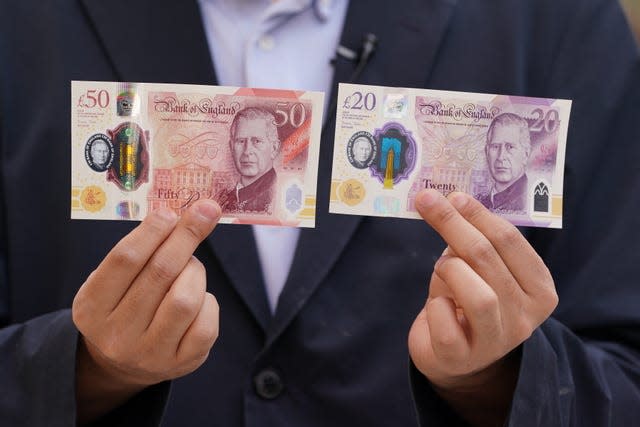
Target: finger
{"x": 448, "y": 251}
{"x": 106, "y": 286}
{"x": 179, "y": 307}
{"x": 518, "y": 255}
{"x": 466, "y": 241}
{"x": 144, "y": 296}
{"x": 447, "y": 338}
{"x": 419, "y": 342}
{"x": 478, "y": 301}
{"x": 437, "y": 287}
{"x": 203, "y": 332}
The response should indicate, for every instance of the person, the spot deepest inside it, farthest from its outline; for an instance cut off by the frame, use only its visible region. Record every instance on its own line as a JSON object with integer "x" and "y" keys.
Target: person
{"x": 254, "y": 146}
{"x": 100, "y": 155}
{"x": 507, "y": 150}
{"x": 474, "y": 296}
{"x": 361, "y": 152}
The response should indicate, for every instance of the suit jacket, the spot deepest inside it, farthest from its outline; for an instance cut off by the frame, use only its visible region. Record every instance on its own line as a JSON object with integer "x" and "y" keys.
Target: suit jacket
{"x": 335, "y": 351}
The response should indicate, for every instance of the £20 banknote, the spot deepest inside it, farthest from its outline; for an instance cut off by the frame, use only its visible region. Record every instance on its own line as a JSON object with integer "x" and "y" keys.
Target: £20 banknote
{"x": 506, "y": 151}
{"x": 140, "y": 146}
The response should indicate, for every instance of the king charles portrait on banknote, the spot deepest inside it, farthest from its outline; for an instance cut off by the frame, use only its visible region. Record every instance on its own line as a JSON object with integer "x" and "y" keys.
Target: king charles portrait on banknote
{"x": 255, "y": 144}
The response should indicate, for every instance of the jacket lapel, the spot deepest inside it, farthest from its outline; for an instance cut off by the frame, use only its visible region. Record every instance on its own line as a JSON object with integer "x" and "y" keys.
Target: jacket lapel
{"x": 409, "y": 34}
{"x": 163, "y": 40}
{"x": 235, "y": 247}
{"x": 408, "y": 39}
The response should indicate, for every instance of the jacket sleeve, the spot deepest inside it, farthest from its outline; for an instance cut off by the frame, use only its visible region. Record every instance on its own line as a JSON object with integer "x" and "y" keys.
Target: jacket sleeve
{"x": 581, "y": 367}
{"x": 37, "y": 372}
{"x": 37, "y": 376}
{"x": 38, "y": 357}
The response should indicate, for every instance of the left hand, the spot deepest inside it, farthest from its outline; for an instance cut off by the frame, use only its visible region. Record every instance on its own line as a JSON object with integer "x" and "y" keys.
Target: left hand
{"x": 488, "y": 292}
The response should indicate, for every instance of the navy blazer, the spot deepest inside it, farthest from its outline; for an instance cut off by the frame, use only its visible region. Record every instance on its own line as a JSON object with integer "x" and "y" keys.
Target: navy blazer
{"x": 335, "y": 352}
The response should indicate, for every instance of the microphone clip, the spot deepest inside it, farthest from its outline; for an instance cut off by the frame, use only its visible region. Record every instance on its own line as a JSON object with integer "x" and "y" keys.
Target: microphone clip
{"x": 363, "y": 54}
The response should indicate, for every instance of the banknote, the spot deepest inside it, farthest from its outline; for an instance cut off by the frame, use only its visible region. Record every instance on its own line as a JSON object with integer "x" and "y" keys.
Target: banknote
{"x": 137, "y": 147}
{"x": 506, "y": 151}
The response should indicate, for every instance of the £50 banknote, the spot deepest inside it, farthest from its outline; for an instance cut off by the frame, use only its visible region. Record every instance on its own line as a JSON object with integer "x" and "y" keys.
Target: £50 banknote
{"x": 506, "y": 151}
{"x": 140, "y": 146}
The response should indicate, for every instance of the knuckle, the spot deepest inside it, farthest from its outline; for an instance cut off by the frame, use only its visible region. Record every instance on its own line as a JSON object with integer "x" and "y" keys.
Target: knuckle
{"x": 446, "y": 215}
{"x": 204, "y": 338}
{"x": 84, "y": 314}
{"x": 545, "y": 293}
{"x": 179, "y": 371}
{"x": 196, "y": 359}
{"x": 205, "y": 332}
{"x": 523, "y": 328}
{"x": 445, "y": 342}
{"x": 481, "y": 251}
{"x": 550, "y": 303}
{"x": 510, "y": 289}
{"x": 194, "y": 355}
{"x": 194, "y": 231}
{"x": 449, "y": 356}
{"x": 208, "y": 333}
{"x": 553, "y": 299}
{"x": 126, "y": 256}
{"x": 81, "y": 318}
{"x": 111, "y": 347}
{"x": 149, "y": 359}
{"x": 473, "y": 211}
{"x": 446, "y": 266}
{"x": 184, "y": 303}
{"x": 504, "y": 284}
{"x": 163, "y": 270}
{"x": 442, "y": 266}
{"x": 509, "y": 236}
{"x": 523, "y": 322}
{"x": 80, "y": 314}
{"x": 195, "y": 264}
{"x": 486, "y": 303}
{"x": 215, "y": 307}
{"x": 157, "y": 225}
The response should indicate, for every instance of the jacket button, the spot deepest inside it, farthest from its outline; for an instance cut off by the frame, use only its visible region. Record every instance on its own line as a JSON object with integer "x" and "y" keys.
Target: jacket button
{"x": 268, "y": 383}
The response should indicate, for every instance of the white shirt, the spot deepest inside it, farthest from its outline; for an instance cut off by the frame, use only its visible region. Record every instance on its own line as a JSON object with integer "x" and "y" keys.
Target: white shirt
{"x": 279, "y": 44}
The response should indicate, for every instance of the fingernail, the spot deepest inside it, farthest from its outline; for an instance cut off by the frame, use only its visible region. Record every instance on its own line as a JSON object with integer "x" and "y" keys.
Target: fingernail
{"x": 427, "y": 198}
{"x": 459, "y": 200}
{"x": 208, "y": 209}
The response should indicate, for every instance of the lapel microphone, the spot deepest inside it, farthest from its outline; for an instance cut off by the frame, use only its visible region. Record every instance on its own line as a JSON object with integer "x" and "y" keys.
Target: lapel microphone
{"x": 361, "y": 57}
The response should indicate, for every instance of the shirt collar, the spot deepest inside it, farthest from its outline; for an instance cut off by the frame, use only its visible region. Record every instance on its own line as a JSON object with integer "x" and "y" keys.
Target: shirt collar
{"x": 322, "y": 9}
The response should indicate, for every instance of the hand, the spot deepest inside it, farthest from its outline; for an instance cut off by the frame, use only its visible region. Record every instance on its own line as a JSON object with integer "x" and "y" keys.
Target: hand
{"x": 144, "y": 314}
{"x": 488, "y": 292}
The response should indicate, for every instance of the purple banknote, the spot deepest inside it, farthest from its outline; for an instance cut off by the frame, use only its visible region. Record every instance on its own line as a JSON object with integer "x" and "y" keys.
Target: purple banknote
{"x": 507, "y": 151}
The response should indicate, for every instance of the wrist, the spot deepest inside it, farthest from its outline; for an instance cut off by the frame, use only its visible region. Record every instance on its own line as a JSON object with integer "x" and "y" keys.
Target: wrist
{"x": 100, "y": 387}
{"x": 483, "y": 398}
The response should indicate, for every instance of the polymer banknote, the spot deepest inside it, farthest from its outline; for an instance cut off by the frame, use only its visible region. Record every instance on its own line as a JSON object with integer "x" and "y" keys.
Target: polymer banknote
{"x": 136, "y": 147}
{"x": 506, "y": 151}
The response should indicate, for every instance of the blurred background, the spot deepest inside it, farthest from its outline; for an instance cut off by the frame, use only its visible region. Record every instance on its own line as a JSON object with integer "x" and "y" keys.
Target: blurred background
{"x": 633, "y": 10}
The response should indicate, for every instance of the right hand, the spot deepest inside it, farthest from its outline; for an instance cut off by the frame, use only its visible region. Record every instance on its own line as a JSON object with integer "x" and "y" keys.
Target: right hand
{"x": 144, "y": 314}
